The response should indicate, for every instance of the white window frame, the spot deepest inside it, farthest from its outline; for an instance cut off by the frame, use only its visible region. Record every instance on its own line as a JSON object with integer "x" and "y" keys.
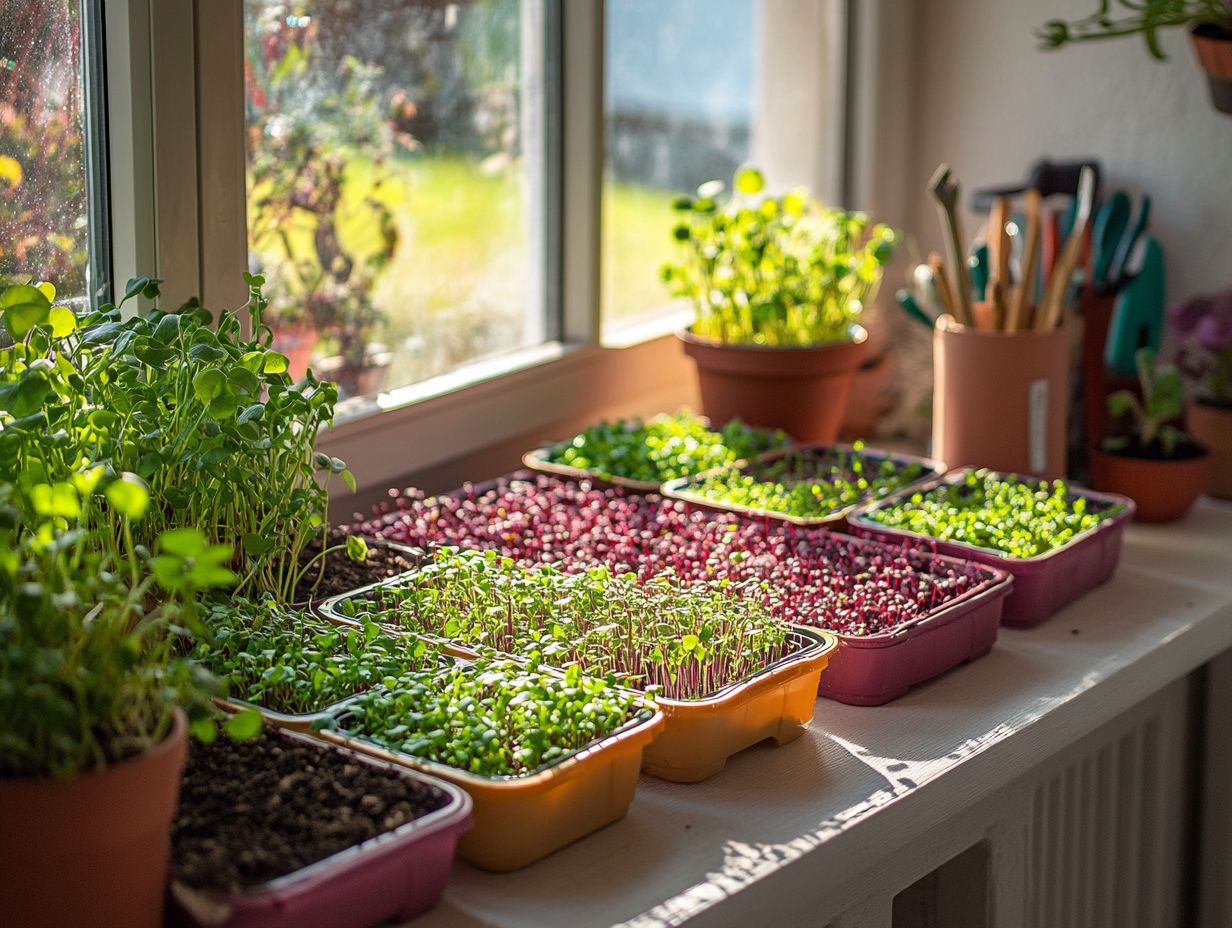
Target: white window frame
{"x": 176, "y": 145}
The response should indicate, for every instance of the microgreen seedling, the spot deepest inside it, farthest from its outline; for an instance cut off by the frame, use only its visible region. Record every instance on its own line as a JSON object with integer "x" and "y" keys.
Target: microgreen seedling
{"x": 1017, "y": 517}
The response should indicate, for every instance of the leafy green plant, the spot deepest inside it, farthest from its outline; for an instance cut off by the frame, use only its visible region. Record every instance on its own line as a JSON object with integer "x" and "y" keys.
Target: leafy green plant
{"x": 1014, "y": 516}
{"x": 92, "y": 634}
{"x": 493, "y": 718}
{"x": 809, "y": 483}
{"x": 1139, "y": 17}
{"x": 204, "y": 416}
{"x": 1163, "y": 400}
{"x": 662, "y": 448}
{"x": 680, "y": 643}
{"x": 288, "y": 661}
{"x": 776, "y": 271}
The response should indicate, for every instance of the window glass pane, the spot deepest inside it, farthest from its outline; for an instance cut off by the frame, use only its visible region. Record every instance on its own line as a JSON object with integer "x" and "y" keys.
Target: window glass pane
{"x": 43, "y": 205}
{"x": 395, "y": 182}
{"x": 679, "y": 101}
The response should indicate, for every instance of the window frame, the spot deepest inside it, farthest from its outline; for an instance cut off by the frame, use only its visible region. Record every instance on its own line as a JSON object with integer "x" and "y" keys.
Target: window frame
{"x": 176, "y": 147}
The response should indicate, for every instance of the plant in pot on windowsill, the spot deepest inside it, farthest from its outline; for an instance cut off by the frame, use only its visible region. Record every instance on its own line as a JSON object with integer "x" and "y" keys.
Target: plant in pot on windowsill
{"x": 1156, "y": 465}
{"x": 1209, "y": 23}
{"x": 1205, "y": 324}
{"x": 92, "y": 741}
{"x": 779, "y": 285}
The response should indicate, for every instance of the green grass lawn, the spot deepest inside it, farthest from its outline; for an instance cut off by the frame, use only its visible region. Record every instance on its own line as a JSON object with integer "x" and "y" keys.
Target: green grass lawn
{"x": 459, "y": 283}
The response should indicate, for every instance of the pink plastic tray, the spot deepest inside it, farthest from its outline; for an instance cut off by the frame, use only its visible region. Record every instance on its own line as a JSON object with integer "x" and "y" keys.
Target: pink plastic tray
{"x": 394, "y": 876}
{"x": 1042, "y": 584}
{"x": 873, "y": 670}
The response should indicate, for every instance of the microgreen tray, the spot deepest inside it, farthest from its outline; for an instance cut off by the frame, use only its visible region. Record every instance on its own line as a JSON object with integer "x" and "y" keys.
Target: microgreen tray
{"x": 541, "y": 459}
{"x": 688, "y": 489}
{"x": 699, "y": 735}
{"x": 872, "y": 670}
{"x": 394, "y": 876}
{"x": 1042, "y": 584}
{"x": 520, "y": 819}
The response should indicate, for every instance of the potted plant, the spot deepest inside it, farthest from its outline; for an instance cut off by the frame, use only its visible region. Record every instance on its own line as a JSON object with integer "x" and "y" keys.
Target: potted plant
{"x": 1205, "y": 325}
{"x": 646, "y": 454}
{"x": 1209, "y": 23}
{"x": 778, "y": 285}
{"x": 725, "y": 673}
{"x": 327, "y": 835}
{"x": 93, "y": 734}
{"x": 1155, "y": 464}
{"x": 1058, "y": 542}
{"x": 546, "y": 757}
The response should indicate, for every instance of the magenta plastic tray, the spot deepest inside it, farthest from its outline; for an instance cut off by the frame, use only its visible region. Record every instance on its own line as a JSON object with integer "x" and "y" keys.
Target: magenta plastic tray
{"x": 873, "y": 670}
{"x": 394, "y": 876}
{"x": 1042, "y": 584}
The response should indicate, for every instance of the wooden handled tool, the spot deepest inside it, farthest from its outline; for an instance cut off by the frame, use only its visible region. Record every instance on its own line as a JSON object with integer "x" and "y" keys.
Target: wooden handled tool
{"x": 1024, "y": 295}
{"x": 942, "y": 285}
{"x": 1049, "y": 315}
{"x": 945, "y": 191}
{"x": 998, "y": 260}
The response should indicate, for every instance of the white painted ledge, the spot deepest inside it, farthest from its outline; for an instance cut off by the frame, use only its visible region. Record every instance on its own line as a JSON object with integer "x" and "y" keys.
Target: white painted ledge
{"x": 786, "y": 830}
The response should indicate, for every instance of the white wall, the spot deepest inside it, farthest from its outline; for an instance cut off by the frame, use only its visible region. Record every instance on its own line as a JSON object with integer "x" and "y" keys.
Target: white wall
{"x": 989, "y": 102}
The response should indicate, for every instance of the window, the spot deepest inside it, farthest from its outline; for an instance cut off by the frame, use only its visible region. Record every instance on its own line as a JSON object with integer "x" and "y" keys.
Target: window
{"x": 46, "y": 192}
{"x": 396, "y": 182}
{"x": 678, "y": 111}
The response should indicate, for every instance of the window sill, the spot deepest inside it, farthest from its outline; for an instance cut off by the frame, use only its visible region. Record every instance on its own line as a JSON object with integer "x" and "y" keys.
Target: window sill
{"x": 525, "y": 398}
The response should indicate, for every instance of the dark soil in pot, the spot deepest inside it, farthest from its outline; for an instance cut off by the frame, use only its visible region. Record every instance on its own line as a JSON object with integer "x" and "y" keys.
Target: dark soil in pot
{"x": 252, "y": 811}
{"x": 343, "y": 574}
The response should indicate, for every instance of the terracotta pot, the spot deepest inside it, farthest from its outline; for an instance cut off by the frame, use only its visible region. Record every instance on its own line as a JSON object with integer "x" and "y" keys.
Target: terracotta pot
{"x": 867, "y": 402}
{"x": 296, "y": 340}
{"x": 802, "y": 391}
{"x": 1212, "y": 426}
{"x": 1213, "y": 48}
{"x": 1163, "y": 489}
{"x": 91, "y": 850}
{"x": 1000, "y": 399}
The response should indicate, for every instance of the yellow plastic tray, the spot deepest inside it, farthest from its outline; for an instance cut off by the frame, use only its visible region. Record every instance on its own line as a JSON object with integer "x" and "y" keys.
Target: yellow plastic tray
{"x": 518, "y": 820}
{"x": 777, "y": 704}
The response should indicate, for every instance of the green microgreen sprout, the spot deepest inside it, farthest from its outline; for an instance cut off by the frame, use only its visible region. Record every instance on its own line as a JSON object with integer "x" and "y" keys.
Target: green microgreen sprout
{"x": 808, "y": 483}
{"x": 495, "y": 718}
{"x": 1015, "y": 516}
{"x": 288, "y": 661}
{"x": 678, "y": 643}
{"x": 780, "y": 271}
{"x": 1163, "y": 401}
{"x": 663, "y": 448}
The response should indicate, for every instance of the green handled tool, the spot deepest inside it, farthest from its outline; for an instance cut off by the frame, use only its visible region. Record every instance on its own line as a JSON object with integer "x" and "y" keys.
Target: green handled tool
{"x": 1138, "y": 316}
{"x": 1108, "y": 230}
{"x": 912, "y": 308}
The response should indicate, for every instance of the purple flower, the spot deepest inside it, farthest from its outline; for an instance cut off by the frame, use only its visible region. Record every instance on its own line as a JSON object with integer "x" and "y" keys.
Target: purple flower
{"x": 1215, "y": 329}
{"x": 1187, "y": 315}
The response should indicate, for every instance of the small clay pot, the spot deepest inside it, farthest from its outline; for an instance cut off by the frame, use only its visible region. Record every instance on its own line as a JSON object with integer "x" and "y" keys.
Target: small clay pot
{"x": 802, "y": 391}
{"x": 1212, "y": 426}
{"x": 92, "y": 850}
{"x": 1163, "y": 488}
{"x": 1213, "y": 48}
